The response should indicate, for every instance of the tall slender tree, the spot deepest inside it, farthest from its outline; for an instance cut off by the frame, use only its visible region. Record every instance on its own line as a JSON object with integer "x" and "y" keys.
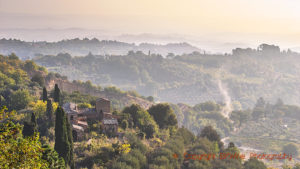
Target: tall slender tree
{"x": 45, "y": 94}
{"x": 62, "y": 145}
{"x": 70, "y": 139}
{"x": 30, "y": 127}
{"x": 56, "y": 94}
{"x": 63, "y": 137}
{"x": 33, "y": 119}
{"x": 49, "y": 111}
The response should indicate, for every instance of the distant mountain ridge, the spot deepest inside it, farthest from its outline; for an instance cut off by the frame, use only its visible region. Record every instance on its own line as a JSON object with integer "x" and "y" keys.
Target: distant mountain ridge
{"x": 81, "y": 47}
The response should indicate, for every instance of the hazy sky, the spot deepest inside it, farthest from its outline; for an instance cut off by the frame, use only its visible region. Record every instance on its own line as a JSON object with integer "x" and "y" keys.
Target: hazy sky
{"x": 270, "y": 18}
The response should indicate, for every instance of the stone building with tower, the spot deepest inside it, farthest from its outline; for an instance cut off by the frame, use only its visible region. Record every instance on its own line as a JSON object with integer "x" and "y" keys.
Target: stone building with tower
{"x": 103, "y": 105}
{"x": 101, "y": 112}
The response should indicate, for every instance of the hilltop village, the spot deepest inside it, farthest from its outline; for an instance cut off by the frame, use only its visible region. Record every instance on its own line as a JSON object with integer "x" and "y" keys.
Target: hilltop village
{"x": 102, "y": 113}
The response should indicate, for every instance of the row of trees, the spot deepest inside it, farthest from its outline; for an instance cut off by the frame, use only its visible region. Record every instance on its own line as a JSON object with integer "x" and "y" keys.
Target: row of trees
{"x": 63, "y": 129}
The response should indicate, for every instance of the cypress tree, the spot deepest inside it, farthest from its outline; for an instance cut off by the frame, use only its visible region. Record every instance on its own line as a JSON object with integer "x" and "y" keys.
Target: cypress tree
{"x": 33, "y": 119}
{"x": 45, "y": 94}
{"x": 56, "y": 94}
{"x": 70, "y": 139}
{"x": 49, "y": 110}
{"x": 30, "y": 127}
{"x": 62, "y": 145}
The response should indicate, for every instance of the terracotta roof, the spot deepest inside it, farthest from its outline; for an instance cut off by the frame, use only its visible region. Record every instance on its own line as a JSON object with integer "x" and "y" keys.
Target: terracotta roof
{"x": 77, "y": 127}
{"x": 82, "y": 123}
{"x": 105, "y": 99}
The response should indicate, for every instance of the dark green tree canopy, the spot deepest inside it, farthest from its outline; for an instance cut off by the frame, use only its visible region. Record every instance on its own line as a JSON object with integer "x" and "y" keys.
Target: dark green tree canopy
{"x": 38, "y": 78}
{"x": 45, "y": 94}
{"x": 52, "y": 158}
{"x": 13, "y": 56}
{"x": 49, "y": 110}
{"x": 28, "y": 129}
{"x": 57, "y": 94}
{"x": 33, "y": 119}
{"x": 20, "y": 99}
{"x": 62, "y": 137}
{"x": 164, "y": 115}
{"x": 254, "y": 163}
{"x": 124, "y": 124}
{"x": 141, "y": 119}
{"x": 70, "y": 140}
{"x": 30, "y": 66}
{"x": 211, "y": 134}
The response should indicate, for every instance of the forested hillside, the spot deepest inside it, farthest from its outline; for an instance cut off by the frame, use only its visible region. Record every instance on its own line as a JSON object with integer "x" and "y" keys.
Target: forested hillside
{"x": 39, "y": 132}
{"x": 153, "y": 133}
{"x": 240, "y": 77}
{"x": 80, "y": 47}
{"x": 22, "y": 82}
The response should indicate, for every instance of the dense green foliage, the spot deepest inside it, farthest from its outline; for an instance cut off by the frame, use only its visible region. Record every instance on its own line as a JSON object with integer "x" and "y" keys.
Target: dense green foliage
{"x": 77, "y": 97}
{"x": 52, "y": 158}
{"x": 141, "y": 119}
{"x": 212, "y": 135}
{"x": 56, "y": 94}
{"x": 148, "y": 138}
{"x": 63, "y": 141}
{"x": 163, "y": 115}
{"x": 70, "y": 159}
{"x": 16, "y": 88}
{"x": 45, "y": 94}
{"x": 23, "y": 152}
{"x": 253, "y": 163}
{"x": 30, "y": 127}
{"x": 50, "y": 111}
{"x": 136, "y": 158}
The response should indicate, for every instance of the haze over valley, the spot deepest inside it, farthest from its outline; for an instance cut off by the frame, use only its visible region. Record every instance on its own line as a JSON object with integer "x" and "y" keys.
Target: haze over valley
{"x": 136, "y": 84}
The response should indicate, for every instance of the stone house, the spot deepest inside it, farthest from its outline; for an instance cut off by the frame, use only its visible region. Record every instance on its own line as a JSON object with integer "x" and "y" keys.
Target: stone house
{"x": 110, "y": 126}
{"x": 77, "y": 132}
{"x": 101, "y": 112}
{"x": 103, "y": 105}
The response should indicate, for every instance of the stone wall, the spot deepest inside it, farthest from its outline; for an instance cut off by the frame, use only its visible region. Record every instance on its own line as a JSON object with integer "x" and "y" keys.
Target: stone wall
{"x": 103, "y": 104}
{"x": 70, "y": 87}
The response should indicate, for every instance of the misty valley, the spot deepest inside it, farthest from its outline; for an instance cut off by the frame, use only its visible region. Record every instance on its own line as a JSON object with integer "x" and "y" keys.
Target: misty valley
{"x": 160, "y": 84}
{"x": 144, "y": 109}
